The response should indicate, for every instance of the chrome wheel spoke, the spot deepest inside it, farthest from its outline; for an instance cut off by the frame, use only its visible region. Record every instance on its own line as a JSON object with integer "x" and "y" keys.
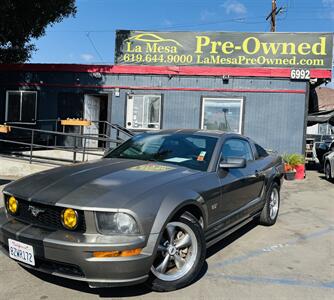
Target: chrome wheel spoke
{"x": 163, "y": 266}
{"x": 171, "y": 233}
{"x": 162, "y": 248}
{"x": 184, "y": 242}
{"x": 179, "y": 261}
{"x": 272, "y": 213}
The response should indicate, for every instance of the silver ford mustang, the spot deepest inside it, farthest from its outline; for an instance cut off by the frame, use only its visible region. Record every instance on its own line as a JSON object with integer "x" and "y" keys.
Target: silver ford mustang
{"x": 146, "y": 212}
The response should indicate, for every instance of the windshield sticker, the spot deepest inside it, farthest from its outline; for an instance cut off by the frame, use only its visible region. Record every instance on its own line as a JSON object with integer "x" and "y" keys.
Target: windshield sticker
{"x": 201, "y": 156}
{"x": 177, "y": 159}
{"x": 151, "y": 168}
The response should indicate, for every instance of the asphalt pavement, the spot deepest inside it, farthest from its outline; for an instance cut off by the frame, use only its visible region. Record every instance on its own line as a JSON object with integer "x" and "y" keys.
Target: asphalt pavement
{"x": 294, "y": 259}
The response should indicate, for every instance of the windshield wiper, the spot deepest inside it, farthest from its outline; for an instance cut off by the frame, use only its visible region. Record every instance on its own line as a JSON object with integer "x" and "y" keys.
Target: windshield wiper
{"x": 151, "y": 159}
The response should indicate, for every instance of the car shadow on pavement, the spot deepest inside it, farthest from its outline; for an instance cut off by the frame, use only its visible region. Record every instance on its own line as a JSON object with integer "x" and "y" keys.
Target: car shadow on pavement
{"x": 231, "y": 238}
{"x": 114, "y": 292}
{"x": 130, "y": 291}
{"x": 323, "y": 177}
{"x": 136, "y": 290}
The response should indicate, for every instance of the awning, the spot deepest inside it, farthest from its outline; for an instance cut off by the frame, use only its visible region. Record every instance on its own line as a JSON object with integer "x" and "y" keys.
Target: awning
{"x": 321, "y": 117}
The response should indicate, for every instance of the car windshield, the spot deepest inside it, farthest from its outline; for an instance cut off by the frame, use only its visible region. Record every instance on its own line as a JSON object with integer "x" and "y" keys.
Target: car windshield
{"x": 191, "y": 151}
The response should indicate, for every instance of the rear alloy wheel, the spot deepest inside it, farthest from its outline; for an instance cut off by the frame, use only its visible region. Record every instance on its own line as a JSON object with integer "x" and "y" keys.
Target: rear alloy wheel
{"x": 270, "y": 210}
{"x": 328, "y": 172}
{"x": 180, "y": 255}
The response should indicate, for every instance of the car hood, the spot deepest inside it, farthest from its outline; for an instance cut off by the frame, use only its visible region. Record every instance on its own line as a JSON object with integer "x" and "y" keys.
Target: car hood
{"x": 106, "y": 183}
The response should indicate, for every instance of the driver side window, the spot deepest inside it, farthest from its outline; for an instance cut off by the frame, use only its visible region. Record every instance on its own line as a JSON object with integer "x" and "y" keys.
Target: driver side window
{"x": 237, "y": 148}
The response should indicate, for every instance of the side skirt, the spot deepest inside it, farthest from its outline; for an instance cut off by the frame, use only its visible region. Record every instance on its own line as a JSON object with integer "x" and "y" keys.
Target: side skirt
{"x": 211, "y": 240}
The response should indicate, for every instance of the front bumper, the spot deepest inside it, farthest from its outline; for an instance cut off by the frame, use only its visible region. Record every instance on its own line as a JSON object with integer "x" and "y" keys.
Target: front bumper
{"x": 69, "y": 254}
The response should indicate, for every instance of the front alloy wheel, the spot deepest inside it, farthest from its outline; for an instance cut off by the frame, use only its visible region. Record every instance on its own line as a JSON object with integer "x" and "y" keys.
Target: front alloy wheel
{"x": 177, "y": 252}
{"x": 180, "y": 255}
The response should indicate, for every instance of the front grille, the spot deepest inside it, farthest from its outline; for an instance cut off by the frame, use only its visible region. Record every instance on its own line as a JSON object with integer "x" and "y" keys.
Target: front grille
{"x": 49, "y": 218}
{"x": 51, "y": 266}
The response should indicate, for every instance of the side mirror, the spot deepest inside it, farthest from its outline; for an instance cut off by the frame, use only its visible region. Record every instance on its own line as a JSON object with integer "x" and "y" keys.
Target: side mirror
{"x": 233, "y": 163}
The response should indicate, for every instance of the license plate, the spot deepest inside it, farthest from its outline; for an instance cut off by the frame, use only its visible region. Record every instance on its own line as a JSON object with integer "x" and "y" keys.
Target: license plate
{"x": 21, "y": 252}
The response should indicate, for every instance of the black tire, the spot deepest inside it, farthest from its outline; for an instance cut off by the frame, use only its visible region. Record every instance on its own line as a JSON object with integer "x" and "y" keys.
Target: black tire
{"x": 327, "y": 171}
{"x": 266, "y": 218}
{"x": 160, "y": 285}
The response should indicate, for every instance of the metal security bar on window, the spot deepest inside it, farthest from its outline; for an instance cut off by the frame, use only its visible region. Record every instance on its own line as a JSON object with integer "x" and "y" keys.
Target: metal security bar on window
{"x": 21, "y": 106}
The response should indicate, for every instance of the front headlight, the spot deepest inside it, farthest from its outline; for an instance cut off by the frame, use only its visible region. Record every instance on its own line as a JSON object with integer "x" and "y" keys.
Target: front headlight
{"x": 116, "y": 223}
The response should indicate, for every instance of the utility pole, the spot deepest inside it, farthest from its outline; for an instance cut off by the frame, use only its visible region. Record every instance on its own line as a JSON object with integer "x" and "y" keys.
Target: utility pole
{"x": 272, "y": 15}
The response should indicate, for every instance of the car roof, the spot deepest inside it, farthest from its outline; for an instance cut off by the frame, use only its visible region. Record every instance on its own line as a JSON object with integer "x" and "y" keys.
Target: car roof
{"x": 211, "y": 133}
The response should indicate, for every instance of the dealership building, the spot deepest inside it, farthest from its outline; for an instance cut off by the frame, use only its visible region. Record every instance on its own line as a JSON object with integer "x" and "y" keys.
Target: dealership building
{"x": 259, "y": 85}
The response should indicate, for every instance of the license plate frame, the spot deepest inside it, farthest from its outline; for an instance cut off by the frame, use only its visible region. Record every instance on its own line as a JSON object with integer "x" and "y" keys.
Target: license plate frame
{"x": 21, "y": 252}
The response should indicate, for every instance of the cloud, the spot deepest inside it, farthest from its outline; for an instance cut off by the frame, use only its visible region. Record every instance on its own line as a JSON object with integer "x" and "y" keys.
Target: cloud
{"x": 207, "y": 15}
{"x": 87, "y": 57}
{"x": 234, "y": 7}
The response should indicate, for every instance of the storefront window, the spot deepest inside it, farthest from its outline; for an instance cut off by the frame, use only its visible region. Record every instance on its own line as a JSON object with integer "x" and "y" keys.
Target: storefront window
{"x": 143, "y": 112}
{"x": 21, "y": 106}
{"x": 222, "y": 114}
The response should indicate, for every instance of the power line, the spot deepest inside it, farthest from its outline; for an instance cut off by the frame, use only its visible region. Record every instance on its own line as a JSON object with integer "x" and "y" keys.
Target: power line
{"x": 93, "y": 45}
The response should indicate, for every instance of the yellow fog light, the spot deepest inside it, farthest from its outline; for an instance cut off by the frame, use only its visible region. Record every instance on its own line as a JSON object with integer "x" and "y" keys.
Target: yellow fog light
{"x": 69, "y": 218}
{"x": 12, "y": 205}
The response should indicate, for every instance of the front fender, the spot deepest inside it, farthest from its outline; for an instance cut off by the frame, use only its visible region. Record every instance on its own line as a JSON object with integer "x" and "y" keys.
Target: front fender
{"x": 175, "y": 201}
{"x": 170, "y": 205}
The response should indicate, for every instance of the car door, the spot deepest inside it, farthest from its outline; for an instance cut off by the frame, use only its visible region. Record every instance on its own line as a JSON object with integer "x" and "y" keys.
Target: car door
{"x": 239, "y": 186}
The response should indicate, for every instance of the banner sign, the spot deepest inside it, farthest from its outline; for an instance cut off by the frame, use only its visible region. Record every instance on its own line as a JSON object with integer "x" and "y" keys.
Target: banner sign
{"x": 225, "y": 49}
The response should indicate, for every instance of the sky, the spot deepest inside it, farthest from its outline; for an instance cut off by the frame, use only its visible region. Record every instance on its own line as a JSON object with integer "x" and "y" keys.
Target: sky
{"x": 88, "y": 38}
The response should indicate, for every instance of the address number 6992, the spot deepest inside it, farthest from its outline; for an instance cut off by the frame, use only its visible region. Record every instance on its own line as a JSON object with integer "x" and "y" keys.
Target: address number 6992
{"x": 300, "y": 74}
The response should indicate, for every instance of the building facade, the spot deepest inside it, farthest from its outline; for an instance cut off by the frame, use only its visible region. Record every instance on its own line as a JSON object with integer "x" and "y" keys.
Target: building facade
{"x": 258, "y": 84}
{"x": 269, "y": 108}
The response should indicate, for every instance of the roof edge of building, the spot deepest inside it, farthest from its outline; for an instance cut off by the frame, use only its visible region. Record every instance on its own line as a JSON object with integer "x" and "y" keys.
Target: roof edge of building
{"x": 163, "y": 70}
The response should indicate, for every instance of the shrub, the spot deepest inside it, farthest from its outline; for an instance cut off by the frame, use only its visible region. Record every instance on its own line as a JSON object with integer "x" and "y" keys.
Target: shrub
{"x": 293, "y": 160}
